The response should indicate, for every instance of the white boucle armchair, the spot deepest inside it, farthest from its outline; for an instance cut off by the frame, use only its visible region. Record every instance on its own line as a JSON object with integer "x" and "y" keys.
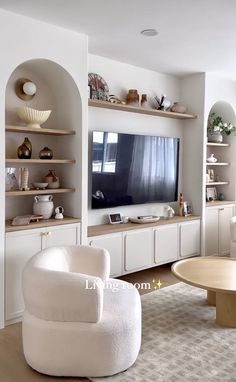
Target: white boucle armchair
{"x": 77, "y": 321}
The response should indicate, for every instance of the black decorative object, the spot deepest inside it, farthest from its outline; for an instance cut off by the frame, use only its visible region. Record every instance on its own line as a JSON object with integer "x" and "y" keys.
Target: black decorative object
{"x": 46, "y": 153}
{"x": 24, "y": 151}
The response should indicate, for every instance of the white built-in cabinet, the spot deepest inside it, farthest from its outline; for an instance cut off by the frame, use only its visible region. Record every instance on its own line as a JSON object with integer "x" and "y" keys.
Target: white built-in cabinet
{"x": 20, "y": 247}
{"x": 135, "y": 249}
{"x": 189, "y": 234}
{"x": 217, "y": 221}
{"x": 138, "y": 249}
{"x": 113, "y": 244}
{"x": 166, "y": 243}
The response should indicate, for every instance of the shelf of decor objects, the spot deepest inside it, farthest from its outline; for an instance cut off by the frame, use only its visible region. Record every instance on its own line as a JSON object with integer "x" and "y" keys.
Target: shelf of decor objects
{"x": 219, "y": 203}
{"x": 216, "y": 183}
{"x": 218, "y": 164}
{"x": 139, "y": 110}
{"x": 40, "y": 224}
{"x": 40, "y": 192}
{"x": 104, "y": 229}
{"x": 41, "y": 130}
{"x": 218, "y": 144}
{"x": 39, "y": 161}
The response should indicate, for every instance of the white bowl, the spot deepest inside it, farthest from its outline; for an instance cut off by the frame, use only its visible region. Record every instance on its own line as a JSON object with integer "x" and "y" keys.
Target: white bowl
{"x": 33, "y": 118}
{"x": 40, "y": 185}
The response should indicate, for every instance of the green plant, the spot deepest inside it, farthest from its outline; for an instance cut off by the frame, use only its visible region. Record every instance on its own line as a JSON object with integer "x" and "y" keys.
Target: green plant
{"x": 216, "y": 124}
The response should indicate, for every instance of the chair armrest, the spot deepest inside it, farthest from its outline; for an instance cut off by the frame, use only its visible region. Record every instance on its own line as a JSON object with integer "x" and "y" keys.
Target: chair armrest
{"x": 90, "y": 260}
{"x": 62, "y": 296}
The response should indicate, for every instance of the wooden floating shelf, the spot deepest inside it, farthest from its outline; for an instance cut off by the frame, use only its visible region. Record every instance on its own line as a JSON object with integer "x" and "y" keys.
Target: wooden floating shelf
{"x": 216, "y": 183}
{"x": 218, "y": 144}
{"x": 219, "y": 203}
{"x": 217, "y": 164}
{"x": 39, "y": 192}
{"x": 40, "y": 224}
{"x": 41, "y": 130}
{"x": 39, "y": 161}
{"x": 139, "y": 110}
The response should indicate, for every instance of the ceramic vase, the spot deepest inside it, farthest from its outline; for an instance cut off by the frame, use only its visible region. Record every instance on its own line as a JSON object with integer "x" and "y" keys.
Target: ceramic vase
{"x": 215, "y": 137}
{"x": 23, "y": 178}
{"x": 43, "y": 205}
{"x": 45, "y": 153}
{"x": 24, "y": 151}
{"x": 132, "y": 98}
{"x": 52, "y": 179}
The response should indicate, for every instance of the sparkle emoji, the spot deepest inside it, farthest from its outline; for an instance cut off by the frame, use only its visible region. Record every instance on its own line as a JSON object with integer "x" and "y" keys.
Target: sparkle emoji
{"x": 157, "y": 284}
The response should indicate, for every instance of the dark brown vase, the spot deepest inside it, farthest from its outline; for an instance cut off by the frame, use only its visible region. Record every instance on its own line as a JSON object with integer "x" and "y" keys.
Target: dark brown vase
{"x": 24, "y": 151}
{"x": 46, "y": 153}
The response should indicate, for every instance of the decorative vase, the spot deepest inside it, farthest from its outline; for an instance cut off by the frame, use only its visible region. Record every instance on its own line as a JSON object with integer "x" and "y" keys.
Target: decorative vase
{"x": 23, "y": 178}
{"x": 43, "y": 205}
{"x": 132, "y": 97}
{"x": 215, "y": 137}
{"x": 178, "y": 108}
{"x": 212, "y": 159}
{"x": 45, "y": 153}
{"x": 52, "y": 179}
{"x": 24, "y": 151}
{"x": 144, "y": 102}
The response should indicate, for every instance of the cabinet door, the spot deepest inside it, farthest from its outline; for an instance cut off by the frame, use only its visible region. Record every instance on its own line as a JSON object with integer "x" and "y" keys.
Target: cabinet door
{"x": 211, "y": 232}
{"x": 189, "y": 238}
{"x": 138, "y": 246}
{"x": 62, "y": 235}
{"x": 113, "y": 244}
{"x": 225, "y": 214}
{"x": 166, "y": 243}
{"x": 20, "y": 247}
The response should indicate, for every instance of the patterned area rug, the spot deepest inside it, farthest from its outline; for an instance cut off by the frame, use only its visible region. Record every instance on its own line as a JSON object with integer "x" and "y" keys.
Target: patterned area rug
{"x": 181, "y": 341}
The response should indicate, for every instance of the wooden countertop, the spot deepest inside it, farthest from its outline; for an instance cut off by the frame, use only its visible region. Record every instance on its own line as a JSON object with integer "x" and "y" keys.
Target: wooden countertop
{"x": 40, "y": 224}
{"x": 103, "y": 229}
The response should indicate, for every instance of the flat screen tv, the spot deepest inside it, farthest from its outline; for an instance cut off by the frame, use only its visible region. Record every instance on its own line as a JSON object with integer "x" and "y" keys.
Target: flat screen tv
{"x": 133, "y": 169}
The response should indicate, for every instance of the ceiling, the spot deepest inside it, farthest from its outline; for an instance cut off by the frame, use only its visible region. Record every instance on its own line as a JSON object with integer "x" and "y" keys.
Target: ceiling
{"x": 194, "y": 35}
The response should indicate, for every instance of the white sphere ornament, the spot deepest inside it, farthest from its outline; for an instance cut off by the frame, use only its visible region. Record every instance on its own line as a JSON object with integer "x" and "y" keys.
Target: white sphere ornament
{"x": 29, "y": 88}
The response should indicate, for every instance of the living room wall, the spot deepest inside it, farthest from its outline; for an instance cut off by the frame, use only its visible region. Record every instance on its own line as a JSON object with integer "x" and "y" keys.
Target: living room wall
{"x": 121, "y": 77}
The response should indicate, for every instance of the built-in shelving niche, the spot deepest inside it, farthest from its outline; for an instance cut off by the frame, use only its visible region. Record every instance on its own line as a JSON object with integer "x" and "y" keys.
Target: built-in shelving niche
{"x": 225, "y": 168}
{"x": 56, "y": 91}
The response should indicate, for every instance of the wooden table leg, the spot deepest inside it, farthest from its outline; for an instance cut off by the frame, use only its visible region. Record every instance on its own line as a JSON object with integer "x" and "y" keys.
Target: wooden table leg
{"x": 211, "y": 297}
{"x": 226, "y": 309}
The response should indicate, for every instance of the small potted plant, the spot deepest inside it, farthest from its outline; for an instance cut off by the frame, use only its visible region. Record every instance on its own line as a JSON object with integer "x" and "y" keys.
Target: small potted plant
{"x": 216, "y": 128}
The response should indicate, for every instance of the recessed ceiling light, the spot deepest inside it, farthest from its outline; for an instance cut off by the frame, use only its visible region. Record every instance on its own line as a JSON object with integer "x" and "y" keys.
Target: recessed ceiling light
{"x": 149, "y": 32}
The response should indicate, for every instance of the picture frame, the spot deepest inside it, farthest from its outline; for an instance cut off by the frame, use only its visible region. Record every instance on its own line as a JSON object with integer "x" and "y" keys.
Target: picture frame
{"x": 115, "y": 218}
{"x": 211, "y": 194}
{"x": 188, "y": 210}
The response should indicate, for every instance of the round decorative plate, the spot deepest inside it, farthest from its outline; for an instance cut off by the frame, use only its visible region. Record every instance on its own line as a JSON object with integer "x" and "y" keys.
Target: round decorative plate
{"x": 99, "y": 88}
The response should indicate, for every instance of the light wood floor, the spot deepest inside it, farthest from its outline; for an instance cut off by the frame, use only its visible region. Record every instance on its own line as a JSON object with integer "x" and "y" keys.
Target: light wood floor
{"x": 13, "y": 367}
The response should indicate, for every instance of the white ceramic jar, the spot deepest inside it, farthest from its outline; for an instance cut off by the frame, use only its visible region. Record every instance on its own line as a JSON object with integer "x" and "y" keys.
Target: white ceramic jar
{"x": 43, "y": 205}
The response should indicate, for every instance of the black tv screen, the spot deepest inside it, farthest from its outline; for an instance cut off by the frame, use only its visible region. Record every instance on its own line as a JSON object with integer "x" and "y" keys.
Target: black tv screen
{"x": 133, "y": 169}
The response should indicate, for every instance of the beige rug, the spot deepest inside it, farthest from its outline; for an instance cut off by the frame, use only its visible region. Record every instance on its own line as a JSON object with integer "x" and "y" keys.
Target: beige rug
{"x": 181, "y": 341}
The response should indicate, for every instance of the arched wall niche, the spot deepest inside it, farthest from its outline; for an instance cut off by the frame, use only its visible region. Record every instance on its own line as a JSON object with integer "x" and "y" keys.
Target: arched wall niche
{"x": 225, "y": 154}
{"x": 225, "y": 110}
{"x": 56, "y": 91}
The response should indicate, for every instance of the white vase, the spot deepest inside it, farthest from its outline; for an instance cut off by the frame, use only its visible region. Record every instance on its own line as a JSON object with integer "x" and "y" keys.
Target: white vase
{"x": 215, "y": 137}
{"x": 43, "y": 205}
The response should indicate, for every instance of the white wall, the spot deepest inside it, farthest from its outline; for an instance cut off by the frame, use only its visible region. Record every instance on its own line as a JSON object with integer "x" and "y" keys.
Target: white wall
{"x": 26, "y": 39}
{"x": 120, "y": 78}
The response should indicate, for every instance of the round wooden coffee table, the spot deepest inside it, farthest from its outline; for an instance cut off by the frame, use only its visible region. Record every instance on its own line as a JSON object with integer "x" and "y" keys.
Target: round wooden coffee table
{"x": 218, "y": 276}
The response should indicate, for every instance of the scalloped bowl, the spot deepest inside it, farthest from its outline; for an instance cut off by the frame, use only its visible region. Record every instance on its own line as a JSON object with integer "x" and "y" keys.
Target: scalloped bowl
{"x": 32, "y": 117}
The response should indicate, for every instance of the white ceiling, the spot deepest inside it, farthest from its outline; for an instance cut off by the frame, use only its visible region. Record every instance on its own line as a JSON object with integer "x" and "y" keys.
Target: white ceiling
{"x": 194, "y": 35}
